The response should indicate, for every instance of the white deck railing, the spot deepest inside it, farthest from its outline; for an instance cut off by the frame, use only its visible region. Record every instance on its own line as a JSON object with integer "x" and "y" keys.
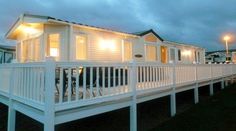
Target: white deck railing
{"x": 74, "y": 84}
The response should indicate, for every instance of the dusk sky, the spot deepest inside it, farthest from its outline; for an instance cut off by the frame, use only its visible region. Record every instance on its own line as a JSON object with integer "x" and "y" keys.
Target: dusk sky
{"x": 197, "y": 22}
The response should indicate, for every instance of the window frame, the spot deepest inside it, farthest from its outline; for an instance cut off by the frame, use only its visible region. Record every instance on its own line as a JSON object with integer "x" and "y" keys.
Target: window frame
{"x": 29, "y": 43}
{"x": 9, "y": 55}
{"x": 86, "y": 44}
{"x": 150, "y": 44}
{"x": 123, "y": 50}
{"x": 174, "y": 49}
{"x": 1, "y": 56}
{"x": 59, "y": 45}
{"x": 179, "y": 52}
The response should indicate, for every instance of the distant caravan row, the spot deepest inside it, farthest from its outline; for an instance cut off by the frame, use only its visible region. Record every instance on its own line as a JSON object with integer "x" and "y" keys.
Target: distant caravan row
{"x": 221, "y": 57}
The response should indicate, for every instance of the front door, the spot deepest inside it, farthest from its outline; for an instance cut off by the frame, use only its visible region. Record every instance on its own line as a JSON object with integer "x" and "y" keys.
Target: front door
{"x": 164, "y": 55}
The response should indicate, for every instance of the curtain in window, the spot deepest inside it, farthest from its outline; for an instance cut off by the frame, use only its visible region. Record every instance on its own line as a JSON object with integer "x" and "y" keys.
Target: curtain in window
{"x": 151, "y": 53}
{"x": 127, "y": 51}
{"x": 30, "y": 50}
{"x": 81, "y": 47}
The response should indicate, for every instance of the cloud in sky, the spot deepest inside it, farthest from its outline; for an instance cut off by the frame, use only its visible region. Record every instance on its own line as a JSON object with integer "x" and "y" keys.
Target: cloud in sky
{"x": 200, "y": 22}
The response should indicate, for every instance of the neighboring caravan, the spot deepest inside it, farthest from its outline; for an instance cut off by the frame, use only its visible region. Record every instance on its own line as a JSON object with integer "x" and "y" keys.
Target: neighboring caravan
{"x": 41, "y": 36}
{"x": 7, "y": 54}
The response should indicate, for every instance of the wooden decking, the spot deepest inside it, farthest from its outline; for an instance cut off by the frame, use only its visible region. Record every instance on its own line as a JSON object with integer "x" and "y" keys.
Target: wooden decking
{"x": 44, "y": 92}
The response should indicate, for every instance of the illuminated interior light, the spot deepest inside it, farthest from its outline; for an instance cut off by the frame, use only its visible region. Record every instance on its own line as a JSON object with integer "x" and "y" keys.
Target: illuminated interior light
{"x": 187, "y": 53}
{"x": 28, "y": 29}
{"x": 107, "y": 44}
{"x": 54, "y": 52}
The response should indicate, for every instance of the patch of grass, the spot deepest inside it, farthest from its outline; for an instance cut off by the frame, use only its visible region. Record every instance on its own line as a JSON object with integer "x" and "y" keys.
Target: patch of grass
{"x": 217, "y": 113}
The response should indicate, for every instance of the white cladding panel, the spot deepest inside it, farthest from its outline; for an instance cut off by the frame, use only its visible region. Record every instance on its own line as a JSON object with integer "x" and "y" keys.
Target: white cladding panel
{"x": 102, "y": 46}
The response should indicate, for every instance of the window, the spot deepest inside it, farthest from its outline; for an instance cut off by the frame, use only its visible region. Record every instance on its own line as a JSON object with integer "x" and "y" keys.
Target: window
{"x": 18, "y": 51}
{"x": 151, "y": 53}
{"x": 195, "y": 56}
{"x": 164, "y": 54}
{"x": 30, "y": 50}
{"x": 8, "y": 57}
{"x": 1, "y": 57}
{"x": 179, "y": 54}
{"x": 36, "y": 49}
{"x": 24, "y": 50}
{"x": 127, "y": 51}
{"x": 53, "y": 45}
{"x": 81, "y": 47}
{"x": 172, "y": 54}
{"x": 198, "y": 56}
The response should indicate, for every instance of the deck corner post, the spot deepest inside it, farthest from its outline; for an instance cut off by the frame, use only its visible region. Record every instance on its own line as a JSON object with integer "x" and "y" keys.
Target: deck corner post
{"x": 49, "y": 111}
{"x": 11, "y": 122}
{"x": 11, "y": 118}
{"x": 211, "y": 88}
{"x": 173, "y": 93}
{"x": 133, "y": 106}
{"x": 196, "y": 94}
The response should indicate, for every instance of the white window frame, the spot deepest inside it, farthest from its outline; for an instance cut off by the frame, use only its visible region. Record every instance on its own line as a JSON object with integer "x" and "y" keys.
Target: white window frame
{"x": 123, "y": 50}
{"x": 59, "y": 57}
{"x": 145, "y": 50}
{"x": 179, "y": 60}
{"x": 74, "y": 42}
{"x": 21, "y": 48}
{"x": 175, "y": 58}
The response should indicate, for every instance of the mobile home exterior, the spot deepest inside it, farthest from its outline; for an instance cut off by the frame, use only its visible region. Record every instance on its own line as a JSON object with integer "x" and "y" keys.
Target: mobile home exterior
{"x": 42, "y": 36}
{"x": 68, "y": 71}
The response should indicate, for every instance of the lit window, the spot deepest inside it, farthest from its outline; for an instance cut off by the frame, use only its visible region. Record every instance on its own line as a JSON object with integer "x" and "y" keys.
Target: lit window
{"x": 53, "y": 45}
{"x": 151, "y": 53}
{"x": 36, "y": 49}
{"x": 127, "y": 51}
{"x": 81, "y": 47}
{"x": 29, "y": 51}
{"x": 164, "y": 56}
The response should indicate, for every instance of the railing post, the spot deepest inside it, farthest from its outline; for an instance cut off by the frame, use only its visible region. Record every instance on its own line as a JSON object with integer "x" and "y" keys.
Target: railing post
{"x": 49, "y": 111}
{"x": 211, "y": 83}
{"x": 173, "y": 96}
{"x": 133, "y": 106}
{"x": 226, "y": 75}
{"x": 11, "y": 111}
{"x": 222, "y": 84}
{"x": 232, "y": 78}
{"x": 196, "y": 93}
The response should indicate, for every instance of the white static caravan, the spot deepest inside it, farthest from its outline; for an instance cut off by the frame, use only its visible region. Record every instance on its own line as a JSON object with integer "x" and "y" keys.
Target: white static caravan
{"x": 42, "y": 36}
{"x": 55, "y": 92}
